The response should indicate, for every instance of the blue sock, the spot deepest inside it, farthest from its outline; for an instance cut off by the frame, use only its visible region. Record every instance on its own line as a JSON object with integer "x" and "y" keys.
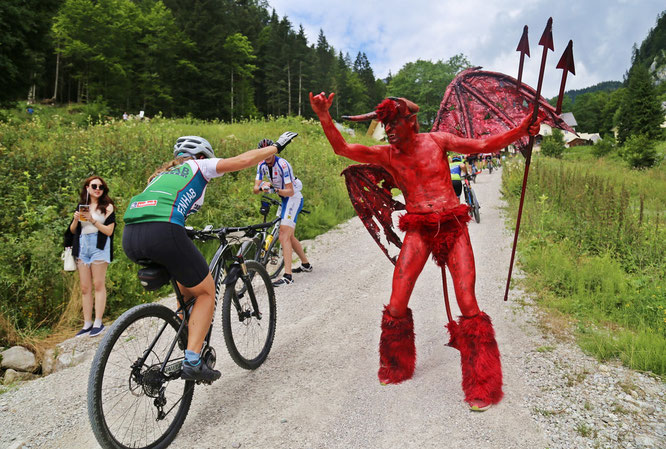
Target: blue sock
{"x": 192, "y": 358}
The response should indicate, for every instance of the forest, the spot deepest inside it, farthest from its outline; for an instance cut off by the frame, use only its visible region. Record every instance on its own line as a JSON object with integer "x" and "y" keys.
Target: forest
{"x": 219, "y": 59}
{"x": 231, "y": 60}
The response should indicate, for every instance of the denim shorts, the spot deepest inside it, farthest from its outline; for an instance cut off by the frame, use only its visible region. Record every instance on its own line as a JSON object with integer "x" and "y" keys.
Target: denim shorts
{"x": 88, "y": 251}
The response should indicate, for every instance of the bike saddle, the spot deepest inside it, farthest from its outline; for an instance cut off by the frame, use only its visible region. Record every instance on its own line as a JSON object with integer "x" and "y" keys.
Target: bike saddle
{"x": 152, "y": 276}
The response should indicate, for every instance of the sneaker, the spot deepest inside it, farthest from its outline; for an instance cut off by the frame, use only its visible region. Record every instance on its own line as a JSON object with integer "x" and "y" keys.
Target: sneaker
{"x": 303, "y": 269}
{"x": 283, "y": 281}
{"x": 83, "y": 332}
{"x": 95, "y": 331}
{"x": 199, "y": 372}
{"x": 477, "y": 405}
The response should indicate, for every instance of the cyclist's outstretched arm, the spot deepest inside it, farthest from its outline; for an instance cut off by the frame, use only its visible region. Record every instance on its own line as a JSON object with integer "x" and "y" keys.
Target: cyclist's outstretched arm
{"x": 356, "y": 152}
{"x": 245, "y": 160}
{"x": 253, "y": 157}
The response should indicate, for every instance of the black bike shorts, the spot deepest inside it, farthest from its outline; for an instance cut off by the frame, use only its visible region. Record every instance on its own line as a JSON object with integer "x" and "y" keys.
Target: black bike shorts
{"x": 457, "y": 186}
{"x": 166, "y": 244}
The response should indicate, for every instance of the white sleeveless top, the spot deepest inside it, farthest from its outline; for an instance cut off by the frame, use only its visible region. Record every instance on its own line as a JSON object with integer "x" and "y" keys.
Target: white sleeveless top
{"x": 89, "y": 228}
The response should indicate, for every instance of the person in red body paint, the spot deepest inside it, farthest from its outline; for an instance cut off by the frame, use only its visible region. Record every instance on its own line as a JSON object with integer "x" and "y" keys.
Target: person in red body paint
{"x": 434, "y": 223}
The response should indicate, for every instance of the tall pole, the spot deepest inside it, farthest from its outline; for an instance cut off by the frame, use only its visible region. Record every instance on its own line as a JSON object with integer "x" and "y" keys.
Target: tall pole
{"x": 547, "y": 42}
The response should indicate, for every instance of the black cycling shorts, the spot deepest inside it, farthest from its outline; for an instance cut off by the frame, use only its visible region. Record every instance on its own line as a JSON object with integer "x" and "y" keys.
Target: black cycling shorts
{"x": 457, "y": 186}
{"x": 166, "y": 244}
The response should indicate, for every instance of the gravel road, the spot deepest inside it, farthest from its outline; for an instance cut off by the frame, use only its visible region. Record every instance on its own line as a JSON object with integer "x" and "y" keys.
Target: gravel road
{"x": 319, "y": 389}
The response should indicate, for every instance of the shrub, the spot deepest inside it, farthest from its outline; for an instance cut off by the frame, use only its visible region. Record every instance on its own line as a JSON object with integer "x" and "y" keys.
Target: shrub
{"x": 639, "y": 151}
{"x": 46, "y": 159}
{"x": 603, "y": 147}
{"x": 553, "y": 145}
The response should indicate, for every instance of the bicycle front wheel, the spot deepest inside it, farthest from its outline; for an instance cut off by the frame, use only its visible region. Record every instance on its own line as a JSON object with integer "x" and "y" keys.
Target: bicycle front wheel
{"x": 248, "y": 320}
{"x": 132, "y": 401}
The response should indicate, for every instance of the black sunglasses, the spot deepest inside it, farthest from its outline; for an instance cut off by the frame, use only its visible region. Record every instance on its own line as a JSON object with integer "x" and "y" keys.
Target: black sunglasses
{"x": 97, "y": 186}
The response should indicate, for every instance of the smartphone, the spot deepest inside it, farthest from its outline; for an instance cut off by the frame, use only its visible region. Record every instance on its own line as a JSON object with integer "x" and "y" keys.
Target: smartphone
{"x": 83, "y": 208}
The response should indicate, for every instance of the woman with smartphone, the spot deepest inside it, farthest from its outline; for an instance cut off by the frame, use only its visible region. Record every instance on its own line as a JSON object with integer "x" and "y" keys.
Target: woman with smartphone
{"x": 91, "y": 236}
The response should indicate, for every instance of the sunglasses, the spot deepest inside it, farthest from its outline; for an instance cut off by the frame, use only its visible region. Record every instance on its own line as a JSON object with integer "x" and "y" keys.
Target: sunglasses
{"x": 97, "y": 186}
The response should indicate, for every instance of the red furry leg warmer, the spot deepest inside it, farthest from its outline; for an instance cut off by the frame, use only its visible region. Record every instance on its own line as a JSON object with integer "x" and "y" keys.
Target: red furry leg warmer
{"x": 454, "y": 332}
{"x": 397, "y": 352}
{"x": 479, "y": 357}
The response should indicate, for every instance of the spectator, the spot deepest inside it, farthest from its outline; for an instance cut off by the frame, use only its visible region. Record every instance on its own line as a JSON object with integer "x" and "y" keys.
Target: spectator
{"x": 91, "y": 236}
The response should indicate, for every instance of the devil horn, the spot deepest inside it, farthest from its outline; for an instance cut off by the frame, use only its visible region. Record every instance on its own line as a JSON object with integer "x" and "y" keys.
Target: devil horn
{"x": 361, "y": 118}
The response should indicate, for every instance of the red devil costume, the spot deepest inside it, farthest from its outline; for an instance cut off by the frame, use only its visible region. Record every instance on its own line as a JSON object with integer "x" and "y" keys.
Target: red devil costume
{"x": 434, "y": 223}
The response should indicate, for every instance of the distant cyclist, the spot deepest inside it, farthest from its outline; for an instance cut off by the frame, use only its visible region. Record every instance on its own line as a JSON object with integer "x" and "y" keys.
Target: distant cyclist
{"x": 471, "y": 160}
{"x": 276, "y": 173}
{"x": 489, "y": 161}
{"x": 458, "y": 169}
{"x": 155, "y": 230}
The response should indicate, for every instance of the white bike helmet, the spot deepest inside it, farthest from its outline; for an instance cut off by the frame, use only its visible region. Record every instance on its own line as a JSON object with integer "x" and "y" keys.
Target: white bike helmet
{"x": 192, "y": 146}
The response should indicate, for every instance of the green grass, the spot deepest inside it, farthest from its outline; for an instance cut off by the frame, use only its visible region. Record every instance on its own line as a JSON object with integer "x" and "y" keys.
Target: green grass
{"x": 593, "y": 245}
{"x": 48, "y": 155}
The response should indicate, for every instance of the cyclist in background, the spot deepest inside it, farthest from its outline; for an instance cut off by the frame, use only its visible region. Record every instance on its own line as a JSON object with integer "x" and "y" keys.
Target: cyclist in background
{"x": 275, "y": 174}
{"x": 471, "y": 160}
{"x": 458, "y": 168}
{"x": 489, "y": 160}
{"x": 155, "y": 230}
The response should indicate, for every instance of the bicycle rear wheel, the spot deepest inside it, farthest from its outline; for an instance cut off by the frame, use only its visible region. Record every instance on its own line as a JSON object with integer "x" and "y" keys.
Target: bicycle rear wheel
{"x": 134, "y": 404}
{"x": 273, "y": 259}
{"x": 249, "y": 332}
{"x": 475, "y": 206}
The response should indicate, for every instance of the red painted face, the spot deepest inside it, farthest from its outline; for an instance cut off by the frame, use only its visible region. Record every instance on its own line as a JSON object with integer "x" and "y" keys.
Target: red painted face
{"x": 399, "y": 130}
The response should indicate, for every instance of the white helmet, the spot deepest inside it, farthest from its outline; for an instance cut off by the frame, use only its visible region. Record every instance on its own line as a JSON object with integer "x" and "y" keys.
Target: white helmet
{"x": 192, "y": 146}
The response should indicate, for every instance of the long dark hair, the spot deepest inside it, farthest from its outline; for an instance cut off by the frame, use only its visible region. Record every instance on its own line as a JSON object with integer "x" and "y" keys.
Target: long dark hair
{"x": 103, "y": 201}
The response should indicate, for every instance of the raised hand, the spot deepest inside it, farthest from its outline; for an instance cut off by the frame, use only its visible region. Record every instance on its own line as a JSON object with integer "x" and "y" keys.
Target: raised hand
{"x": 284, "y": 140}
{"x": 320, "y": 104}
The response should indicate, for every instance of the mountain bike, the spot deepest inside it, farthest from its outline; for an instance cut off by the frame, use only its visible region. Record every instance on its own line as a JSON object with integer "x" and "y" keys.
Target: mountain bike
{"x": 136, "y": 397}
{"x": 265, "y": 247}
{"x": 470, "y": 199}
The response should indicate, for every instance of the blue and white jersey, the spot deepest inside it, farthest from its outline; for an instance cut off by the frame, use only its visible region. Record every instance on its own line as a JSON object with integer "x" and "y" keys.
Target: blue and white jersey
{"x": 279, "y": 175}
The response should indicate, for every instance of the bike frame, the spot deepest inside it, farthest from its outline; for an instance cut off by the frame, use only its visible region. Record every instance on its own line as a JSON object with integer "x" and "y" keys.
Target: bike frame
{"x": 237, "y": 263}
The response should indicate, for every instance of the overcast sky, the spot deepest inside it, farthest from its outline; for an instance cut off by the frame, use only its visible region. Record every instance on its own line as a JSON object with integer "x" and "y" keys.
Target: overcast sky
{"x": 394, "y": 32}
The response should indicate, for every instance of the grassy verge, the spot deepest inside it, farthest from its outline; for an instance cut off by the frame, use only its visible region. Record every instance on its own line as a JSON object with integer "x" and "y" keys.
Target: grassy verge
{"x": 592, "y": 243}
{"x": 47, "y": 156}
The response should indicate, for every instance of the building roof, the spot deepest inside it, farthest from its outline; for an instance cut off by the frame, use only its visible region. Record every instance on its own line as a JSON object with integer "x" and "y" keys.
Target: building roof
{"x": 569, "y": 119}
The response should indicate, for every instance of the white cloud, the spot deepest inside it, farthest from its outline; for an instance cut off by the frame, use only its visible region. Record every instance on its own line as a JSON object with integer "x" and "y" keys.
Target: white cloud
{"x": 394, "y": 32}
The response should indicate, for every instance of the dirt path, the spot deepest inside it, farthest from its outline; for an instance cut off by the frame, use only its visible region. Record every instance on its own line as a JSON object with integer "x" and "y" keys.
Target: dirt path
{"x": 318, "y": 388}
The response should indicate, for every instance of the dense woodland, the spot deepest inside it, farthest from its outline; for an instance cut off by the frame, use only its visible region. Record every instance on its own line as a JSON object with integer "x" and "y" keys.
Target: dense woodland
{"x": 237, "y": 59}
{"x": 215, "y": 59}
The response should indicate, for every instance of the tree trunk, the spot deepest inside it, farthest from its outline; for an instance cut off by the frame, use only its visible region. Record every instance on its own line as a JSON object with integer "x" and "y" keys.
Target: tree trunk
{"x": 232, "y": 95}
{"x": 289, "y": 88}
{"x": 300, "y": 80}
{"x": 55, "y": 89}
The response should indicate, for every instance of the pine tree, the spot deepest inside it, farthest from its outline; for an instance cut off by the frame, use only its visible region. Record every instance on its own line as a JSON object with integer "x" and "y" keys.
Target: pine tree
{"x": 640, "y": 111}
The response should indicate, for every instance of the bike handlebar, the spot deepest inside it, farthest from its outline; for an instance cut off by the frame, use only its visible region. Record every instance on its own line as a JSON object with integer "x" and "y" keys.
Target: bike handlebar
{"x": 209, "y": 232}
{"x": 278, "y": 203}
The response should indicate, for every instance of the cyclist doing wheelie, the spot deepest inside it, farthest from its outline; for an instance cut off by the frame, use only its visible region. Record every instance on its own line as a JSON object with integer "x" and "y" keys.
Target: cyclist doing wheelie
{"x": 155, "y": 230}
{"x": 275, "y": 174}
